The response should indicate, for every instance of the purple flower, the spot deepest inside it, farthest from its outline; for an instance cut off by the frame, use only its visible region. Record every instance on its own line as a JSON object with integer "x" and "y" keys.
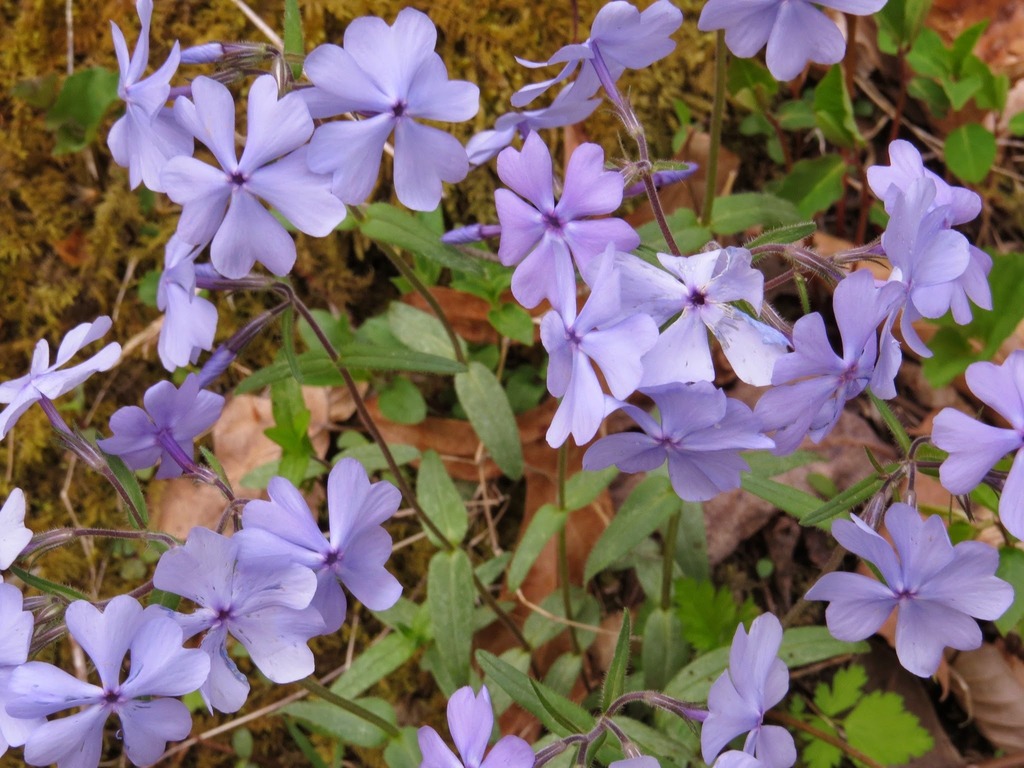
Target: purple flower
{"x": 190, "y": 321}
{"x": 974, "y": 448}
{"x": 222, "y": 204}
{"x": 598, "y": 335}
{"x": 959, "y": 204}
{"x": 160, "y": 668}
{"x": 812, "y": 383}
{"x": 697, "y": 290}
{"x": 538, "y": 235}
{"x": 14, "y": 647}
{"x": 795, "y": 31}
{"x": 623, "y": 37}
{"x": 935, "y": 587}
{"x": 147, "y": 136}
{"x": 389, "y": 75}
{"x": 640, "y": 761}
{"x": 927, "y": 258}
{"x": 470, "y": 720}
{"x": 165, "y": 430}
{"x": 567, "y": 109}
{"x": 14, "y": 536}
{"x": 755, "y": 682}
{"x": 736, "y": 759}
{"x": 701, "y": 435}
{"x": 262, "y": 603}
{"x": 45, "y": 380}
{"x": 353, "y": 555}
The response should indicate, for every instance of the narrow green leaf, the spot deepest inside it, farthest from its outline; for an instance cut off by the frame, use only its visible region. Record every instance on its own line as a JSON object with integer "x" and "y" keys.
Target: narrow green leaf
{"x": 440, "y": 499}
{"x": 739, "y": 212}
{"x": 288, "y": 344}
{"x": 293, "y": 29}
{"x": 547, "y": 521}
{"x": 450, "y": 598}
{"x": 970, "y": 151}
{"x": 420, "y": 331}
{"x": 791, "y": 500}
{"x": 848, "y": 499}
{"x": 790, "y": 233}
{"x": 489, "y": 412}
{"x": 767, "y": 464}
{"x": 374, "y": 664}
{"x": 130, "y": 483}
{"x": 615, "y": 678}
{"x": 404, "y": 752}
{"x": 348, "y": 728}
{"x": 521, "y": 689}
{"x": 47, "y": 586}
{"x": 214, "y": 463}
{"x": 304, "y": 744}
{"x": 897, "y": 429}
{"x": 584, "y": 487}
{"x": 550, "y": 707}
{"x": 646, "y": 509}
{"x": 814, "y": 185}
{"x": 664, "y": 649}
{"x": 391, "y": 225}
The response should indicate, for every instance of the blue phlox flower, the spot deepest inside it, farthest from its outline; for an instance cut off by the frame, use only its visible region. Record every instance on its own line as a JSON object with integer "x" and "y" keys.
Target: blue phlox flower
{"x": 795, "y": 31}
{"x": 223, "y": 204}
{"x": 46, "y": 380}
{"x": 959, "y": 204}
{"x": 701, "y": 435}
{"x": 160, "y": 668}
{"x": 14, "y": 536}
{"x": 596, "y": 335}
{"x": 927, "y": 259}
{"x": 14, "y": 646}
{"x": 190, "y": 321}
{"x": 640, "y": 761}
{"x": 699, "y": 290}
{"x": 166, "y": 429}
{"x": 391, "y": 76}
{"x": 261, "y": 603}
{"x": 541, "y": 238}
{"x": 353, "y": 555}
{"x": 736, "y": 759}
{"x": 937, "y": 589}
{"x": 812, "y": 383}
{"x": 568, "y": 108}
{"x": 147, "y": 136}
{"x": 624, "y": 38}
{"x": 756, "y": 681}
{"x": 470, "y": 720}
{"x": 974, "y": 448}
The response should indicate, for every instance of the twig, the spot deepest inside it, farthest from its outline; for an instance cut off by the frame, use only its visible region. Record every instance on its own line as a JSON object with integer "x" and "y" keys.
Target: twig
{"x": 259, "y": 23}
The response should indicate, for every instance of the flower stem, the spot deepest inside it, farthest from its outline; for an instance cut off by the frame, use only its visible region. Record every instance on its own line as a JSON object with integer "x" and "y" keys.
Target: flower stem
{"x": 717, "y": 111}
{"x": 314, "y": 686}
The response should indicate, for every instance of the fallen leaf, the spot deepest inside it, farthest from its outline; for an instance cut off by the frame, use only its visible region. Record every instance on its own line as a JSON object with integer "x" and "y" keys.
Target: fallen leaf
{"x": 990, "y": 688}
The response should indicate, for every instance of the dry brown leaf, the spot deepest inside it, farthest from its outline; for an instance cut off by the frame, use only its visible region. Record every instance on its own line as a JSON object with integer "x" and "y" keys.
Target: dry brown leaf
{"x": 466, "y": 313}
{"x": 990, "y": 688}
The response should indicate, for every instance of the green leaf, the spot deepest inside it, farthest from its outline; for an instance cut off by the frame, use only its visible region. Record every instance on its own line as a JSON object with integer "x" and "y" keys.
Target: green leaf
{"x": 900, "y": 22}
{"x": 488, "y": 409}
{"x": 396, "y": 359}
{"x": 970, "y": 151}
{"x": 513, "y": 321}
{"x": 400, "y": 401}
{"x": 335, "y": 328}
{"x": 929, "y": 56}
{"x": 80, "y": 107}
{"x": 128, "y": 481}
{"x": 739, "y": 212}
{"x": 450, "y": 598}
{"x": 372, "y": 459}
{"x": 796, "y": 115}
{"x": 584, "y": 487}
{"x": 814, "y": 185}
{"x": 672, "y": 751}
{"x": 551, "y": 708}
{"x": 750, "y": 83}
{"x": 848, "y": 499}
{"x": 290, "y": 430}
{"x": 523, "y": 692}
{"x": 47, "y": 586}
{"x": 293, "y": 42}
{"x": 896, "y": 428}
{"x": 420, "y": 331}
{"x": 833, "y": 110}
{"x": 547, "y": 521}
{"x": 304, "y": 744}
{"x": 682, "y": 223}
{"x": 664, "y": 649}
{"x": 846, "y": 690}
{"x": 394, "y": 226}
{"x": 1017, "y": 124}
{"x": 767, "y": 464}
{"x": 373, "y": 664}
{"x": 615, "y": 677}
{"x": 645, "y": 510}
{"x": 441, "y": 500}
{"x": 792, "y": 501}
{"x": 882, "y": 728}
{"x": 404, "y": 752}
{"x": 709, "y": 616}
{"x": 331, "y": 720}
{"x": 1011, "y": 570}
{"x": 790, "y": 233}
